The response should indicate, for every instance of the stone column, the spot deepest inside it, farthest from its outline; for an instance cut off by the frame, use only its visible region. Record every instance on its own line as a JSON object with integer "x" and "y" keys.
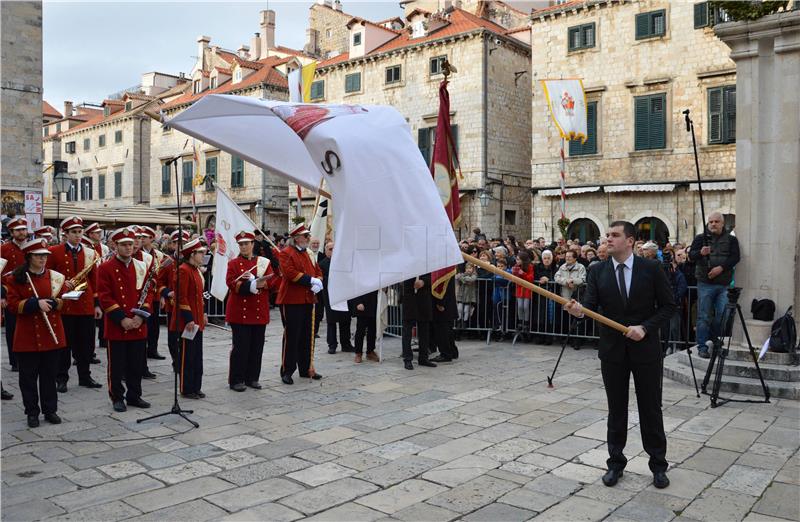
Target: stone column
{"x": 767, "y": 56}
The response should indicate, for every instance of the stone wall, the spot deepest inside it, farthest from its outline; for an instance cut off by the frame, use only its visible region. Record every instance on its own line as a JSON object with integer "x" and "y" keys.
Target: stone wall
{"x": 21, "y": 100}
{"x": 683, "y": 64}
{"x": 331, "y": 32}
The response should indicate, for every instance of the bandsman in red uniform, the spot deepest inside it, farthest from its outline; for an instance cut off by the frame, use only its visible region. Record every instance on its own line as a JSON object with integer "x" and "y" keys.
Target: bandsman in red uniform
{"x": 95, "y": 234}
{"x": 39, "y": 336}
{"x": 300, "y": 283}
{"x": 45, "y": 232}
{"x": 153, "y": 328}
{"x": 120, "y": 285}
{"x": 152, "y": 272}
{"x": 190, "y": 314}
{"x": 249, "y": 279}
{"x": 11, "y": 251}
{"x": 77, "y": 263}
{"x": 166, "y": 293}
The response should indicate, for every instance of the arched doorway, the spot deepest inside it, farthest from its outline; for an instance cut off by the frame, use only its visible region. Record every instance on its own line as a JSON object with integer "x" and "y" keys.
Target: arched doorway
{"x": 652, "y": 229}
{"x": 583, "y": 229}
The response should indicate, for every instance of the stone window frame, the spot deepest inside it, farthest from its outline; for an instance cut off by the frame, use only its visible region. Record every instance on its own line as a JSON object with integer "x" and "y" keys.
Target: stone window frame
{"x": 117, "y": 136}
{"x": 118, "y": 181}
{"x": 357, "y": 39}
{"x": 648, "y": 16}
{"x": 439, "y": 61}
{"x": 70, "y": 147}
{"x": 399, "y": 80}
{"x": 311, "y": 95}
{"x": 579, "y": 29}
{"x": 87, "y": 144}
{"x": 360, "y": 83}
{"x": 101, "y": 141}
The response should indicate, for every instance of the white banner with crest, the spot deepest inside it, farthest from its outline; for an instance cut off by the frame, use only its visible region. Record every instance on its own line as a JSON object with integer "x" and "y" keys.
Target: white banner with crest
{"x": 567, "y": 102}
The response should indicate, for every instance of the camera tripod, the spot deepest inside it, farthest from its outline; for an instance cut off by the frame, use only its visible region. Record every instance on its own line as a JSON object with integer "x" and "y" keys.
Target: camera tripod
{"x": 720, "y": 350}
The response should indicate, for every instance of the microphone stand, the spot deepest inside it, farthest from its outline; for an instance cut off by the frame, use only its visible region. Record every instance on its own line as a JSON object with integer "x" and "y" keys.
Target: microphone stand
{"x": 176, "y": 407}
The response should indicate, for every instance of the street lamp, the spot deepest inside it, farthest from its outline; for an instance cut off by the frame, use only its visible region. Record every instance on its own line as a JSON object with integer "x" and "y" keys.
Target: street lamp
{"x": 61, "y": 184}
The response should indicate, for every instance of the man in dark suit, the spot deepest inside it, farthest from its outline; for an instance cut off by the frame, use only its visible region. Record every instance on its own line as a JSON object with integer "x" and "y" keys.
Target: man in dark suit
{"x": 635, "y": 292}
{"x": 417, "y": 309}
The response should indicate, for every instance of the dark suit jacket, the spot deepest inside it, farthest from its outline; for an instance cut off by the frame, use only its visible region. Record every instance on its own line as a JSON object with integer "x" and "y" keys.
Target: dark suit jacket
{"x": 417, "y": 305}
{"x": 650, "y": 304}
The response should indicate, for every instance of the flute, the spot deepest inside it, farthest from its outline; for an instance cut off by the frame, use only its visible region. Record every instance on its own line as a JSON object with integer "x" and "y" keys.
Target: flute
{"x": 46, "y": 319}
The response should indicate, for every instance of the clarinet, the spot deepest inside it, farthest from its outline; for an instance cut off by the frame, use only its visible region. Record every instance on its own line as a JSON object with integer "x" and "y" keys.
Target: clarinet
{"x": 145, "y": 288}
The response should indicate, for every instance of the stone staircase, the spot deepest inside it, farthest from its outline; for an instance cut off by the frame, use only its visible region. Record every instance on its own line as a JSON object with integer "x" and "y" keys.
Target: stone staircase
{"x": 739, "y": 373}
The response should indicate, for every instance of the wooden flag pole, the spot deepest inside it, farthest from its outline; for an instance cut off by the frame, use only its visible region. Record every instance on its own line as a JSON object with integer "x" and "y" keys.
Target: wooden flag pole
{"x": 545, "y": 293}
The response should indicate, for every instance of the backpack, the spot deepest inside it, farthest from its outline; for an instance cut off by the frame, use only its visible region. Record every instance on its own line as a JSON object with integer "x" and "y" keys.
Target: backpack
{"x": 784, "y": 334}
{"x": 763, "y": 309}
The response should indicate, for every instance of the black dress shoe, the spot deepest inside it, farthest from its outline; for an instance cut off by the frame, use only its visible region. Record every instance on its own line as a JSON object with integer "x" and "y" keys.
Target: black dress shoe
{"x": 90, "y": 383}
{"x": 316, "y": 377}
{"x": 348, "y": 349}
{"x": 612, "y": 477}
{"x": 52, "y": 418}
{"x": 660, "y": 479}
{"x": 156, "y": 355}
{"x": 120, "y": 406}
{"x": 201, "y": 395}
{"x": 192, "y": 395}
{"x": 61, "y": 387}
{"x": 149, "y": 375}
{"x": 6, "y": 396}
{"x": 254, "y": 384}
{"x": 138, "y": 403}
{"x": 427, "y": 363}
{"x": 408, "y": 365}
{"x": 287, "y": 379}
{"x": 331, "y": 351}
{"x": 95, "y": 360}
{"x": 33, "y": 421}
{"x": 441, "y": 359}
{"x": 239, "y": 387}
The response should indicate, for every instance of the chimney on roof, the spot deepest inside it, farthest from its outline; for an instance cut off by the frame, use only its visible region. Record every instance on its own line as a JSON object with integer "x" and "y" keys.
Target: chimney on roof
{"x": 202, "y": 45}
{"x": 67, "y": 109}
{"x": 267, "y": 31}
{"x": 337, "y": 4}
{"x": 256, "y": 47}
{"x": 244, "y": 52}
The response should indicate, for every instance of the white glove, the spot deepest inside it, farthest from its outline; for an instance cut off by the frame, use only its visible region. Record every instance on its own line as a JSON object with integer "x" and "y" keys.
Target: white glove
{"x": 316, "y": 288}
{"x": 253, "y": 287}
{"x": 316, "y": 282}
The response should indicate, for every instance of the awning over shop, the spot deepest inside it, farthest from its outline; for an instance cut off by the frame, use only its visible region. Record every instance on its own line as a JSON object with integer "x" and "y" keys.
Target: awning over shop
{"x": 569, "y": 191}
{"x": 715, "y": 185}
{"x": 666, "y": 187}
{"x": 136, "y": 214}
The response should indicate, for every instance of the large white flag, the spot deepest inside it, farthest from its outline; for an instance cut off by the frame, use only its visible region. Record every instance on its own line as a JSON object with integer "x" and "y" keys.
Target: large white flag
{"x": 567, "y": 102}
{"x": 388, "y": 216}
{"x": 230, "y": 221}
{"x": 319, "y": 224}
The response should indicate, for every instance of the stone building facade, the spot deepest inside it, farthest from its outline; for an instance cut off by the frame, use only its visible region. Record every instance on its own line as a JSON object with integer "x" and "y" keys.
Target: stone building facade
{"x": 642, "y": 64}
{"x": 21, "y": 100}
{"x": 398, "y": 63}
{"x": 258, "y": 70}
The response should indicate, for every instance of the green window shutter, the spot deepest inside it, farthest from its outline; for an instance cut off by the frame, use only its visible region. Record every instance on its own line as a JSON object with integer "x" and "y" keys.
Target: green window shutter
{"x": 642, "y": 25}
{"x": 641, "y": 123}
{"x": 574, "y": 38}
{"x": 237, "y": 172}
{"x": 658, "y": 23}
{"x": 700, "y": 15}
{"x": 101, "y": 186}
{"x": 211, "y": 173}
{"x": 424, "y": 144}
{"x": 318, "y": 90}
{"x": 187, "y": 176}
{"x": 576, "y": 148}
{"x": 715, "y": 115}
{"x": 658, "y": 122}
{"x": 165, "y": 181}
{"x": 587, "y": 35}
{"x": 729, "y": 118}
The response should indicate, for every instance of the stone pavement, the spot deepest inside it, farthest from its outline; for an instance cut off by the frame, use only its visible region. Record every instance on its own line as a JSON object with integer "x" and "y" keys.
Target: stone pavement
{"x": 480, "y": 439}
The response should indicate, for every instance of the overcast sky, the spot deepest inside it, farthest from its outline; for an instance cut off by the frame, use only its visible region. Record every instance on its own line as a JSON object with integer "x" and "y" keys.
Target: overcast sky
{"x": 93, "y": 49}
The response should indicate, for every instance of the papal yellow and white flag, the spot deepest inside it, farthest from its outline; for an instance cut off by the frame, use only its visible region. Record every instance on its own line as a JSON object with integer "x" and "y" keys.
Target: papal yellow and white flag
{"x": 300, "y": 81}
{"x": 567, "y": 102}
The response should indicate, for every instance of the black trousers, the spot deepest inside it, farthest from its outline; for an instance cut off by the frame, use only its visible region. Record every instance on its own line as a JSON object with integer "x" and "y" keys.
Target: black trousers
{"x": 443, "y": 338}
{"x": 248, "y": 347}
{"x": 153, "y": 329}
{"x": 365, "y": 326}
{"x": 39, "y": 368}
{"x": 79, "y": 330}
{"x": 647, "y": 379}
{"x": 125, "y": 361}
{"x": 344, "y": 333}
{"x": 11, "y": 325}
{"x": 423, "y": 336}
{"x": 298, "y": 339}
{"x": 191, "y": 364}
{"x": 319, "y": 313}
{"x": 101, "y": 333}
{"x": 173, "y": 346}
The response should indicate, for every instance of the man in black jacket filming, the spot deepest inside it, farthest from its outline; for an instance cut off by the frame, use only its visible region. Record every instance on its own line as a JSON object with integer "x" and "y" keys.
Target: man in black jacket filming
{"x": 636, "y": 293}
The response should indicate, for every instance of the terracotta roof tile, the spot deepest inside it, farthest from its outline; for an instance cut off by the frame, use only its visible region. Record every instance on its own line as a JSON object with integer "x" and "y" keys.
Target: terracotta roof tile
{"x": 339, "y": 58}
{"x": 223, "y": 70}
{"x": 289, "y": 50}
{"x": 557, "y": 7}
{"x": 49, "y": 110}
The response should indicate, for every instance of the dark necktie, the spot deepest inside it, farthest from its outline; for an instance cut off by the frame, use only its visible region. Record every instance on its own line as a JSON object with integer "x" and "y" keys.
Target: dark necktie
{"x": 623, "y": 290}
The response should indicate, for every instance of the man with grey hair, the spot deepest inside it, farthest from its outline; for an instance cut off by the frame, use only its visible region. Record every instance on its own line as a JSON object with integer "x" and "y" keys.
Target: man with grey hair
{"x": 650, "y": 250}
{"x": 715, "y": 255}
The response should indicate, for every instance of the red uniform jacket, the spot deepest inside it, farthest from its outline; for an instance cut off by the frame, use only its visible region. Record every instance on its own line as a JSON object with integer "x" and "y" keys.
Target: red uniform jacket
{"x": 166, "y": 275}
{"x": 190, "y": 298}
{"x": 244, "y": 307}
{"x": 118, "y": 289}
{"x": 297, "y": 270}
{"x": 14, "y": 257}
{"x": 60, "y": 260}
{"x": 32, "y": 334}
{"x": 153, "y": 262}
